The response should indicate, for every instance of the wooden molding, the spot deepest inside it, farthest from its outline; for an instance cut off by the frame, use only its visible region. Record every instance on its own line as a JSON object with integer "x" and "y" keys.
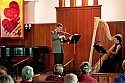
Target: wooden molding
{"x": 61, "y": 3}
{"x": 95, "y": 2}
{"x": 72, "y": 3}
{"x": 84, "y": 2}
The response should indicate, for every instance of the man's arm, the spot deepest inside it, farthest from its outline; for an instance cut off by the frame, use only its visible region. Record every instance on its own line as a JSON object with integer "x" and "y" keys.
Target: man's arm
{"x": 55, "y": 36}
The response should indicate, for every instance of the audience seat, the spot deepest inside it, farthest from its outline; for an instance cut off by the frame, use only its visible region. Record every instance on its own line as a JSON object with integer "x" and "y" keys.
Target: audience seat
{"x": 18, "y": 81}
{"x": 36, "y": 77}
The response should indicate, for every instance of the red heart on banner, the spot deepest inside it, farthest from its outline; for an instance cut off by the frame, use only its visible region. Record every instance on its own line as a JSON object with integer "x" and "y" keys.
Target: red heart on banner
{"x": 10, "y": 25}
{"x": 13, "y": 14}
{"x": 13, "y": 10}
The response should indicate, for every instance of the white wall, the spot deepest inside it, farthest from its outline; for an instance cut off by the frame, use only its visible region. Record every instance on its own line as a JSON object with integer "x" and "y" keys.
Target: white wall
{"x": 44, "y": 11}
{"x": 29, "y": 12}
{"x": 113, "y": 10}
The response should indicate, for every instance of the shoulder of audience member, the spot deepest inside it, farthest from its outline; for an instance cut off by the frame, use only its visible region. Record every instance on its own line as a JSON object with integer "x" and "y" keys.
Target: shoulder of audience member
{"x": 6, "y": 79}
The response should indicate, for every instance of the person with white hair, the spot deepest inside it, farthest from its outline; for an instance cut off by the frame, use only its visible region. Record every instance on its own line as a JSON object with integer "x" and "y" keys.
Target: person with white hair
{"x": 3, "y": 70}
{"x": 120, "y": 78}
{"x": 27, "y": 74}
{"x": 57, "y": 73}
{"x": 5, "y": 78}
{"x": 85, "y": 68}
{"x": 71, "y": 78}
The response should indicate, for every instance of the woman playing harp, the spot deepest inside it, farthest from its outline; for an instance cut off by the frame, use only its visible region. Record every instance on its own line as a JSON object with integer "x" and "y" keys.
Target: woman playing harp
{"x": 102, "y": 24}
{"x": 115, "y": 57}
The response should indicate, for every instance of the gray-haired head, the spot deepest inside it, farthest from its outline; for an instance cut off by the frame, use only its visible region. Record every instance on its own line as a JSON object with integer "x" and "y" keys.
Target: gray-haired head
{"x": 70, "y": 78}
{"x": 85, "y": 67}
{"x": 27, "y": 73}
{"x": 123, "y": 65}
{"x": 6, "y": 79}
{"x": 3, "y": 70}
{"x": 58, "y": 69}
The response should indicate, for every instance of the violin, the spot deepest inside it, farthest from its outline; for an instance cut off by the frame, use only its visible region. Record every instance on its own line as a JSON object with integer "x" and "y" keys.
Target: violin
{"x": 65, "y": 33}
{"x": 66, "y": 36}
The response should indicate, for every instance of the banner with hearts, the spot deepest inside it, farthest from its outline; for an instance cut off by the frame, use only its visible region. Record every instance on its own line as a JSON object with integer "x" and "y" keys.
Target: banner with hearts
{"x": 11, "y": 19}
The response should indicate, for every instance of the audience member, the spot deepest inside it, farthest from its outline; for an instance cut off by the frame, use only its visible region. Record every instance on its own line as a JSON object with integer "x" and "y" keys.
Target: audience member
{"x": 3, "y": 70}
{"x": 6, "y": 79}
{"x": 71, "y": 78}
{"x": 27, "y": 74}
{"x": 57, "y": 73}
{"x": 121, "y": 78}
{"x": 85, "y": 68}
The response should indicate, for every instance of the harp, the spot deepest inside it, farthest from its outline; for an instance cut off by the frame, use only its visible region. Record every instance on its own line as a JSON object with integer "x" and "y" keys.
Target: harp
{"x": 99, "y": 23}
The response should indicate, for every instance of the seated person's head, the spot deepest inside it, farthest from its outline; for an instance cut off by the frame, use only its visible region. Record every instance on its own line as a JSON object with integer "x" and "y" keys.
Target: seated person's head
{"x": 6, "y": 79}
{"x": 70, "y": 78}
{"x": 85, "y": 67}
{"x": 27, "y": 73}
{"x": 123, "y": 65}
{"x": 3, "y": 70}
{"x": 58, "y": 69}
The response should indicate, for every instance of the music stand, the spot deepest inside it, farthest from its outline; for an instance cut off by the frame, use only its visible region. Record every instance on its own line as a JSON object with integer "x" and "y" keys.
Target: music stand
{"x": 100, "y": 50}
{"x": 74, "y": 40}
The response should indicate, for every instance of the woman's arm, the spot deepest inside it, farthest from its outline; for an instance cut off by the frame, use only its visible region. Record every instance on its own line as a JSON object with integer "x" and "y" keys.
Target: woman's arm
{"x": 117, "y": 49}
{"x": 115, "y": 53}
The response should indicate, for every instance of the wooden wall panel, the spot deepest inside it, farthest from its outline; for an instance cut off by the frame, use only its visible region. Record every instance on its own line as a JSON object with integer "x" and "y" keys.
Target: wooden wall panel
{"x": 72, "y": 3}
{"x": 38, "y": 35}
{"x": 75, "y": 21}
{"x": 61, "y": 3}
{"x": 79, "y": 20}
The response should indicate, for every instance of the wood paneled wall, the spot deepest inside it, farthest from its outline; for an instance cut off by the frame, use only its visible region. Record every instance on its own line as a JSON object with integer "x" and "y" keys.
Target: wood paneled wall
{"x": 38, "y": 35}
{"x": 79, "y": 20}
{"x": 73, "y": 3}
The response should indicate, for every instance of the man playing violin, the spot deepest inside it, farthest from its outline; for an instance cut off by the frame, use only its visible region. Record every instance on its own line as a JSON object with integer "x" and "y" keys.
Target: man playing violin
{"x": 58, "y": 41}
